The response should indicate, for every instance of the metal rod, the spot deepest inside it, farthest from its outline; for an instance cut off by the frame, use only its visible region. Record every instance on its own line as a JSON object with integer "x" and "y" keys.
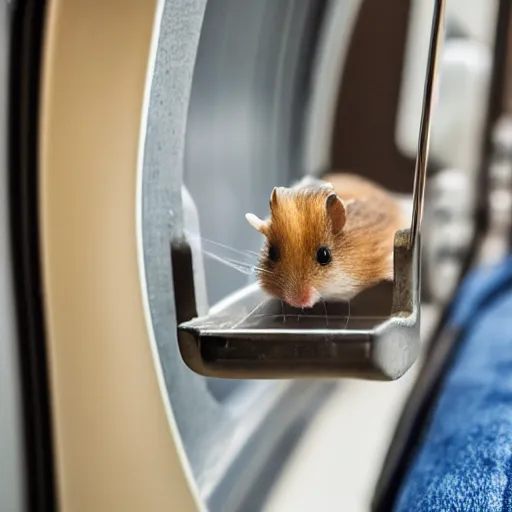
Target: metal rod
{"x": 420, "y": 172}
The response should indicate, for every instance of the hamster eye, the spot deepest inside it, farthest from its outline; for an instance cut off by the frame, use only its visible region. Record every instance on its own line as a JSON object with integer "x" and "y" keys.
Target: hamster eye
{"x": 273, "y": 253}
{"x": 323, "y": 255}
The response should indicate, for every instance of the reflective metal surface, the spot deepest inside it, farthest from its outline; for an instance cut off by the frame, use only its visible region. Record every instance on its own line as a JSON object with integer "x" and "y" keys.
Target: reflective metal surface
{"x": 420, "y": 173}
{"x": 249, "y": 337}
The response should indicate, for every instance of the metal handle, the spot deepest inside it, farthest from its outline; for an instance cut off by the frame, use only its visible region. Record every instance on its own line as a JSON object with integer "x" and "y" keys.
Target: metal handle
{"x": 420, "y": 172}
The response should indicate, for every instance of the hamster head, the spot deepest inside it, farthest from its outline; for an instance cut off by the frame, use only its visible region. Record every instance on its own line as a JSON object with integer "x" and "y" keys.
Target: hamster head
{"x": 300, "y": 261}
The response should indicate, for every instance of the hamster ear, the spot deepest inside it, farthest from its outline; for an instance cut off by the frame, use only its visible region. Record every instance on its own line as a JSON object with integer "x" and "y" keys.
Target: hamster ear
{"x": 336, "y": 212}
{"x": 256, "y": 222}
{"x": 273, "y": 198}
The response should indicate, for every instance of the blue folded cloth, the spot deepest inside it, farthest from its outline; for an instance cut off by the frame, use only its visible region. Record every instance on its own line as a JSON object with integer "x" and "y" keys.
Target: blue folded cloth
{"x": 465, "y": 460}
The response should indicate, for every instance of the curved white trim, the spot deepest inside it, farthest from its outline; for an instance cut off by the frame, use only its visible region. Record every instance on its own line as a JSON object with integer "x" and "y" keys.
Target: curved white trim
{"x": 142, "y": 271}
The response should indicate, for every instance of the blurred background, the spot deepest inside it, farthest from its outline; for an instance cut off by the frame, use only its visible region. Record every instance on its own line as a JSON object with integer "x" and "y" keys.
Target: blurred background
{"x": 121, "y": 126}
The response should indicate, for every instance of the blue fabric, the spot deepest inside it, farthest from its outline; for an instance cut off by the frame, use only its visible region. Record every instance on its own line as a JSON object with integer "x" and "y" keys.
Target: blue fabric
{"x": 478, "y": 285}
{"x": 465, "y": 461}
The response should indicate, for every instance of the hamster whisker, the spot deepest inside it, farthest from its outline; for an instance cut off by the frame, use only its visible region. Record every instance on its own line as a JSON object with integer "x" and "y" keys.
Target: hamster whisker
{"x": 248, "y": 266}
{"x": 238, "y": 262}
{"x": 237, "y": 266}
{"x": 247, "y": 253}
{"x": 302, "y": 315}
{"x": 251, "y": 313}
{"x": 348, "y": 314}
{"x": 325, "y": 308}
{"x": 241, "y": 266}
{"x": 264, "y": 270}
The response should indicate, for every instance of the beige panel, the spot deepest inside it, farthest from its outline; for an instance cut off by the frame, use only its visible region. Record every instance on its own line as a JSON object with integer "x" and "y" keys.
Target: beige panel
{"x": 115, "y": 443}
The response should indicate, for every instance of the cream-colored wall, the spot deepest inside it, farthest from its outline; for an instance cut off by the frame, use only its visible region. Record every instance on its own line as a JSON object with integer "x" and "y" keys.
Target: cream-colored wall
{"x": 116, "y": 443}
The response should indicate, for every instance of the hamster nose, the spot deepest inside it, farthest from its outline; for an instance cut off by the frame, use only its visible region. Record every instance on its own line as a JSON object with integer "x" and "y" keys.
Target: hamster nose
{"x": 305, "y": 298}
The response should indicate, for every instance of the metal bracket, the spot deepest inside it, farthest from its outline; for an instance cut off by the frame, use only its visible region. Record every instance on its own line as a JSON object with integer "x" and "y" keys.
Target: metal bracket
{"x": 248, "y": 337}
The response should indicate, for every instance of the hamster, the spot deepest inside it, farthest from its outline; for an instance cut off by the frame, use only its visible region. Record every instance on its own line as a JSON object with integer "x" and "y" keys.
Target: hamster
{"x": 327, "y": 239}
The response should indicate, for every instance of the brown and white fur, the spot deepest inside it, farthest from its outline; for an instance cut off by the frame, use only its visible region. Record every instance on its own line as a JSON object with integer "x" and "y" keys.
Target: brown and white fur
{"x": 351, "y": 216}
